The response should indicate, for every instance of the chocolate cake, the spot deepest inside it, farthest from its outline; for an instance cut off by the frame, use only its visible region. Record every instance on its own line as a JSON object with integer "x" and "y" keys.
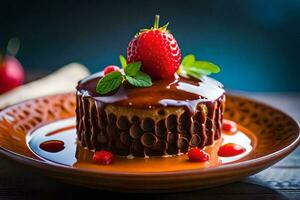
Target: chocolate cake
{"x": 168, "y": 118}
{"x": 157, "y": 105}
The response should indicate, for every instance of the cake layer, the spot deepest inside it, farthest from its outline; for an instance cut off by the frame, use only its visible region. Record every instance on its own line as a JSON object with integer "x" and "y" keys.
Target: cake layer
{"x": 167, "y": 118}
{"x": 156, "y": 132}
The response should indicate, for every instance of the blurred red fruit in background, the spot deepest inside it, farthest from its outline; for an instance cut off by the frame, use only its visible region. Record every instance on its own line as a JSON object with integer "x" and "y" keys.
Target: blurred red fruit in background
{"x": 11, "y": 74}
{"x": 11, "y": 70}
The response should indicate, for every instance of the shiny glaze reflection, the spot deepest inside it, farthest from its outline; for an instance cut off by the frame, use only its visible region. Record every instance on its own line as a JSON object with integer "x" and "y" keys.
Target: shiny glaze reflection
{"x": 76, "y": 156}
{"x": 177, "y": 91}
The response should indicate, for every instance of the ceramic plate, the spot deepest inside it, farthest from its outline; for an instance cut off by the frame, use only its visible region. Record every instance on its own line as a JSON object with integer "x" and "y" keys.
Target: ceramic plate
{"x": 267, "y": 134}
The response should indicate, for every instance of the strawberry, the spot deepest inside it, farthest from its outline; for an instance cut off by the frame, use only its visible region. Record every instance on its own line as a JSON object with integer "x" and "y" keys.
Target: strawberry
{"x": 158, "y": 51}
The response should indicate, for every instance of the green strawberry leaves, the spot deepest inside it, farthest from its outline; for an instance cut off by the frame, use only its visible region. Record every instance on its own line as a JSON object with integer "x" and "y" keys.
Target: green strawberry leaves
{"x": 196, "y": 68}
{"x": 156, "y": 26}
{"x": 132, "y": 75}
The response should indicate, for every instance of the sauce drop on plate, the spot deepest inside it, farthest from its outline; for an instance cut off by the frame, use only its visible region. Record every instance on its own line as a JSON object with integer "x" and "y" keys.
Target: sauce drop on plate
{"x": 231, "y": 149}
{"x": 56, "y": 142}
{"x": 52, "y": 146}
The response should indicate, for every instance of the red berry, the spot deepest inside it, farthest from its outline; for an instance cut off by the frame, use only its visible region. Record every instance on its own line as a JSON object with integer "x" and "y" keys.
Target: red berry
{"x": 197, "y": 155}
{"x": 230, "y": 149}
{"x": 158, "y": 51}
{"x": 229, "y": 126}
{"x": 103, "y": 157}
{"x": 110, "y": 68}
{"x": 11, "y": 74}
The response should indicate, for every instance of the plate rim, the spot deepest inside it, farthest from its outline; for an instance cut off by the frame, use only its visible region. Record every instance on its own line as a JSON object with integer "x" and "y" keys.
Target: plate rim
{"x": 55, "y": 167}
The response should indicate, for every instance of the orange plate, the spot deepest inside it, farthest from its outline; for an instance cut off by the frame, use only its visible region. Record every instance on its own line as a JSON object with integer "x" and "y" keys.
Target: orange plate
{"x": 273, "y": 133}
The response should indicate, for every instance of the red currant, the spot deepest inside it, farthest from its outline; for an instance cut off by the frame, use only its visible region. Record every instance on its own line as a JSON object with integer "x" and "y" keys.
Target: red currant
{"x": 230, "y": 149}
{"x": 197, "y": 155}
{"x": 229, "y": 126}
{"x": 110, "y": 68}
{"x": 103, "y": 157}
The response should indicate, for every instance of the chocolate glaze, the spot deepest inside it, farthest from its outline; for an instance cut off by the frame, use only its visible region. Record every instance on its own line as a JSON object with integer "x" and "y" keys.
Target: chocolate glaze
{"x": 177, "y": 91}
{"x": 97, "y": 129}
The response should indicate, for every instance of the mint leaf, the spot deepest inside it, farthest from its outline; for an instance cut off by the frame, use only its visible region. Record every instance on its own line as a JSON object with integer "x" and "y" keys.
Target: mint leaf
{"x": 132, "y": 68}
{"x": 197, "y": 73}
{"x": 196, "y": 68}
{"x": 109, "y": 82}
{"x": 141, "y": 79}
{"x": 188, "y": 60}
{"x": 123, "y": 61}
{"x": 205, "y": 65}
{"x": 132, "y": 74}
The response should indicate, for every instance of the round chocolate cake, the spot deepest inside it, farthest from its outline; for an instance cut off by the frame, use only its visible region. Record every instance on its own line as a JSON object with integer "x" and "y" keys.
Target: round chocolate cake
{"x": 168, "y": 118}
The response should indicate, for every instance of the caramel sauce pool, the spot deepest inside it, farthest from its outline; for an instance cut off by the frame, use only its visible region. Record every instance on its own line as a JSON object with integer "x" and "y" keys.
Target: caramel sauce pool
{"x": 76, "y": 156}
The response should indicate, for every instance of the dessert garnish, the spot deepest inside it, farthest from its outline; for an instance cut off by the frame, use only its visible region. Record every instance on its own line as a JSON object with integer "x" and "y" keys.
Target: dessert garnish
{"x": 157, "y": 49}
{"x": 229, "y": 126}
{"x": 103, "y": 157}
{"x": 196, "y": 68}
{"x": 131, "y": 74}
{"x": 153, "y": 53}
{"x": 231, "y": 149}
{"x": 197, "y": 155}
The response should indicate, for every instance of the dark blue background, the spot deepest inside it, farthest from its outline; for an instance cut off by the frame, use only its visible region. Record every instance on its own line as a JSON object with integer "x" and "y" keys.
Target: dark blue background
{"x": 255, "y": 42}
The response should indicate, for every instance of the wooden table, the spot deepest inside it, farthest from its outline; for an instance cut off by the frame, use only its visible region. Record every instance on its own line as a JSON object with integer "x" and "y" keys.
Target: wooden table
{"x": 282, "y": 181}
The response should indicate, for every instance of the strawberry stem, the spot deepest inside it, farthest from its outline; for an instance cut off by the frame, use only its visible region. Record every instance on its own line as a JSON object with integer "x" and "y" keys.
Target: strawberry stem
{"x": 156, "y": 22}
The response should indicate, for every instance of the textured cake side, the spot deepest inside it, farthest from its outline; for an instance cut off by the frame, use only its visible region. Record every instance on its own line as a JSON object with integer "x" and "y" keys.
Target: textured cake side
{"x": 165, "y": 131}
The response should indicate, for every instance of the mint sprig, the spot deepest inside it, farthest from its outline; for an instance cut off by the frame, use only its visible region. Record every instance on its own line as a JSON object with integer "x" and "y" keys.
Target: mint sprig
{"x": 141, "y": 79}
{"x": 132, "y": 75}
{"x": 196, "y": 68}
{"x": 132, "y": 68}
{"x": 123, "y": 61}
{"x": 109, "y": 82}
